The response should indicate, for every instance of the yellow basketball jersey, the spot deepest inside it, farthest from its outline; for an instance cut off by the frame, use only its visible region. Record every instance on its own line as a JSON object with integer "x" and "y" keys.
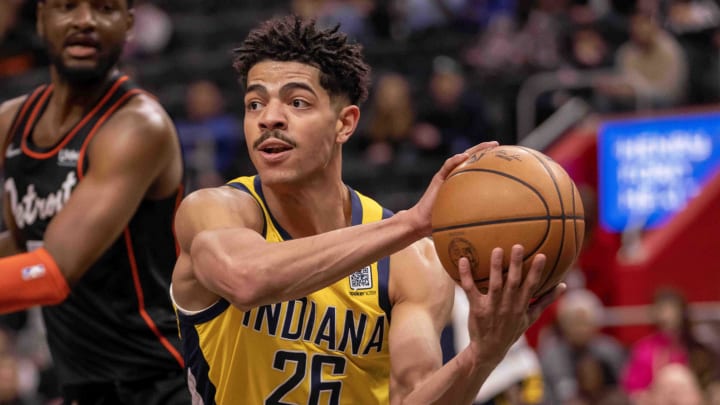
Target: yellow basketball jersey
{"x": 330, "y": 347}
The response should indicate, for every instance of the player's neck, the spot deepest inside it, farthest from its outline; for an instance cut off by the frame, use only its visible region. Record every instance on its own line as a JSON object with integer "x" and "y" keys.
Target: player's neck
{"x": 70, "y": 99}
{"x": 312, "y": 209}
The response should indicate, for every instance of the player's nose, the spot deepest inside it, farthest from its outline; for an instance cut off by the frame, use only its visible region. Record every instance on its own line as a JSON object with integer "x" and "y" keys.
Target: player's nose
{"x": 273, "y": 116}
{"x": 83, "y": 16}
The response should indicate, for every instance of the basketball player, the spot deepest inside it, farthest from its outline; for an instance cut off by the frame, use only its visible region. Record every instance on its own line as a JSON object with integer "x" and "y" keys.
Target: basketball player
{"x": 293, "y": 288}
{"x": 93, "y": 176}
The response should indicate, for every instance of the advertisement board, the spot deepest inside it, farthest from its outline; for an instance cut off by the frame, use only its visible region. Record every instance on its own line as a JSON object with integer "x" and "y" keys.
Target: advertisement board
{"x": 649, "y": 168}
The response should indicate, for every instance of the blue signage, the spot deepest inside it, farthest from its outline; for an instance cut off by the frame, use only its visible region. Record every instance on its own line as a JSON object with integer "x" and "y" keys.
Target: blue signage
{"x": 649, "y": 168}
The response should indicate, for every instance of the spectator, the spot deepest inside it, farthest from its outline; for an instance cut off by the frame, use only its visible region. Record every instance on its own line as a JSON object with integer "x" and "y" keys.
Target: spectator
{"x": 495, "y": 52}
{"x": 674, "y": 384}
{"x": 673, "y": 342}
{"x": 352, "y": 15}
{"x": 481, "y": 13}
{"x": 151, "y": 31}
{"x": 19, "y": 376}
{"x": 597, "y": 383}
{"x": 22, "y": 336}
{"x": 696, "y": 23}
{"x": 9, "y": 381}
{"x": 651, "y": 69}
{"x": 712, "y": 392}
{"x": 588, "y": 49}
{"x": 307, "y": 9}
{"x": 391, "y": 116}
{"x": 452, "y": 117}
{"x": 509, "y": 48}
{"x": 425, "y": 18}
{"x": 579, "y": 317}
{"x": 211, "y": 138}
{"x": 693, "y": 16}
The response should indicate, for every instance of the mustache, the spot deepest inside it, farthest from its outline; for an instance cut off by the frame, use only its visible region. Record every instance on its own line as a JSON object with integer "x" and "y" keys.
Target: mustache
{"x": 273, "y": 134}
{"x": 89, "y": 39}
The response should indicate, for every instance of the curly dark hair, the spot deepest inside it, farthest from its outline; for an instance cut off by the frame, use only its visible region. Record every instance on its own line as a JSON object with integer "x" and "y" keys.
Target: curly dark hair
{"x": 129, "y": 3}
{"x": 343, "y": 70}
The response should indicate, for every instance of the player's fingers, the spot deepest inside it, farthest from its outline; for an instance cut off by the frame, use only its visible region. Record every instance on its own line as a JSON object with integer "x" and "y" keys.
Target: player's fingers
{"x": 450, "y": 164}
{"x": 533, "y": 278}
{"x": 512, "y": 301}
{"x": 537, "y": 307}
{"x": 514, "y": 274}
{"x": 481, "y": 146}
{"x": 440, "y": 177}
{"x": 495, "y": 285}
{"x": 467, "y": 281}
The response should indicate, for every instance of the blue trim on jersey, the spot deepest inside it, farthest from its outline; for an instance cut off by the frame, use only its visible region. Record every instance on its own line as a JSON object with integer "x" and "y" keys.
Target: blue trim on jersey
{"x": 207, "y": 315}
{"x": 356, "y": 209}
{"x": 196, "y": 363}
{"x": 384, "y": 277}
{"x": 258, "y": 189}
{"x": 383, "y": 284}
{"x": 239, "y": 186}
{"x": 242, "y": 187}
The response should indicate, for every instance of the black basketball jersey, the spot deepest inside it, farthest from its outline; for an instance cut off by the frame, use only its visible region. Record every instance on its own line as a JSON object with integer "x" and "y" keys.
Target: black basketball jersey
{"x": 118, "y": 322}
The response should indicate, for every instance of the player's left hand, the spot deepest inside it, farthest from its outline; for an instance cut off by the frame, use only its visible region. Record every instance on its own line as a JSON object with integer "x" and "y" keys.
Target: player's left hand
{"x": 497, "y": 319}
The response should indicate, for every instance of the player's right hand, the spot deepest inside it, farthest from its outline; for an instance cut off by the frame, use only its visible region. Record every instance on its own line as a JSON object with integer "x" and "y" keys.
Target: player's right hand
{"x": 420, "y": 214}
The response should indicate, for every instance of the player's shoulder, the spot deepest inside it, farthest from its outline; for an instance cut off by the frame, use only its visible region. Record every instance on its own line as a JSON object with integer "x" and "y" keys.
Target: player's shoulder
{"x": 141, "y": 127}
{"x": 225, "y": 202}
{"x": 146, "y": 115}
{"x": 416, "y": 275}
{"x": 418, "y": 261}
{"x": 8, "y": 110}
{"x": 11, "y": 106}
{"x": 421, "y": 251}
{"x": 212, "y": 196}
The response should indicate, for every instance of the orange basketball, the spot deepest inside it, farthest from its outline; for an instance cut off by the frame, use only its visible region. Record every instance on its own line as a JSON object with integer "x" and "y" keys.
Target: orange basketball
{"x": 504, "y": 196}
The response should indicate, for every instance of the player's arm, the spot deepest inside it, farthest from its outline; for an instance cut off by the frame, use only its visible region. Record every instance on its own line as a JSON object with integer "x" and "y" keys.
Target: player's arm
{"x": 126, "y": 158}
{"x": 495, "y": 322}
{"x": 422, "y": 296}
{"x": 205, "y": 210}
{"x": 239, "y": 265}
{"x": 8, "y": 241}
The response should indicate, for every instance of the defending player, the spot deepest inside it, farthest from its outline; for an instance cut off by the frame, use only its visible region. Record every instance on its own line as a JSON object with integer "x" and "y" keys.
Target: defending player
{"x": 93, "y": 175}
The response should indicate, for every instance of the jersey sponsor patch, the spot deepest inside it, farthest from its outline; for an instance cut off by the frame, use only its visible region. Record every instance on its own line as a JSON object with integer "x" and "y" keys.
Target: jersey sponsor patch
{"x": 68, "y": 157}
{"x": 33, "y": 272}
{"x": 361, "y": 279}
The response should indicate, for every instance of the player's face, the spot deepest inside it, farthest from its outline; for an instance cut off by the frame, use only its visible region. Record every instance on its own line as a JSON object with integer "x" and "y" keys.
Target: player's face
{"x": 291, "y": 125}
{"x": 84, "y": 38}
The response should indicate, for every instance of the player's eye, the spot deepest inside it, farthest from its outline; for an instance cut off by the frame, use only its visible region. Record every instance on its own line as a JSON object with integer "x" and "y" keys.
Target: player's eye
{"x": 107, "y": 7}
{"x": 65, "y": 5}
{"x": 253, "y": 106}
{"x": 299, "y": 103}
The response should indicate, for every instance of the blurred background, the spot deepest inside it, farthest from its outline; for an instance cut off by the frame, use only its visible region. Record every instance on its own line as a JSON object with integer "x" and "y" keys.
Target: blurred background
{"x": 623, "y": 94}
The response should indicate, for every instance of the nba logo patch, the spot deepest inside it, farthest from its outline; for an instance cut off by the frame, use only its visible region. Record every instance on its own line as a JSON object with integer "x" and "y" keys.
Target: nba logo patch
{"x": 33, "y": 272}
{"x": 361, "y": 279}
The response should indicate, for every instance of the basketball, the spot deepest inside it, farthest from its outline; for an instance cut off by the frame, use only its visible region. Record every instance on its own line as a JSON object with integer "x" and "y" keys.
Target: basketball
{"x": 504, "y": 196}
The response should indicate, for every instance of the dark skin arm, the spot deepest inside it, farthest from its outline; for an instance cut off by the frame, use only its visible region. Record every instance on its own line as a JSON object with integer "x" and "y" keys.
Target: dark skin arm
{"x": 8, "y": 242}
{"x": 134, "y": 156}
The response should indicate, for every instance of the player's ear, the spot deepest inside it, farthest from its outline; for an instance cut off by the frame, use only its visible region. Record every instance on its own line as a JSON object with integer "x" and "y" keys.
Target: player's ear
{"x": 130, "y": 23}
{"x": 346, "y": 123}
